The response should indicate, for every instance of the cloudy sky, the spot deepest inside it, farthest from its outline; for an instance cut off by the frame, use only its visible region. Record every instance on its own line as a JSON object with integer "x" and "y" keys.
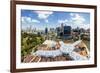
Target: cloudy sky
{"x": 53, "y": 19}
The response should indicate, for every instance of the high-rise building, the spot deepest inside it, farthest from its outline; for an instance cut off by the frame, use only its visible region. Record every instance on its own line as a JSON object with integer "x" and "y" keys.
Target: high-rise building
{"x": 46, "y": 30}
{"x": 62, "y": 27}
{"x": 64, "y": 31}
{"x": 67, "y": 30}
{"x": 58, "y": 31}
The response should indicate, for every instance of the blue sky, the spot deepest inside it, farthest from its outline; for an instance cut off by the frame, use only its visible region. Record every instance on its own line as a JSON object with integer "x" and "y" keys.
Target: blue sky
{"x": 53, "y": 19}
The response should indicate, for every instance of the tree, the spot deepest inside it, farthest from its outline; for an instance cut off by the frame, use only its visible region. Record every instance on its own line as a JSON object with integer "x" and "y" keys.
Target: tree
{"x": 29, "y": 42}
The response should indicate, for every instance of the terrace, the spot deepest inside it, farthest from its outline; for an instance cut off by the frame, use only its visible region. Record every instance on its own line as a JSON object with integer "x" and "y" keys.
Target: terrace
{"x": 59, "y": 51}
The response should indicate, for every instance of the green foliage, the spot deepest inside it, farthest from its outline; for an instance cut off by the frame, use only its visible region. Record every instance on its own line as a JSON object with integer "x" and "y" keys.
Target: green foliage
{"x": 29, "y": 42}
{"x": 85, "y": 37}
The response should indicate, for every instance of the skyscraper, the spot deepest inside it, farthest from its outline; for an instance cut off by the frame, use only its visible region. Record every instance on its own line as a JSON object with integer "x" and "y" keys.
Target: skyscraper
{"x": 58, "y": 31}
{"x": 46, "y": 30}
{"x": 67, "y": 30}
{"x": 62, "y": 27}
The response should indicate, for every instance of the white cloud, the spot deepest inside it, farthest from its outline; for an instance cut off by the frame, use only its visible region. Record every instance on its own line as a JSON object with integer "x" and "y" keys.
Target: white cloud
{"x": 46, "y": 21}
{"x": 35, "y": 21}
{"x": 28, "y": 20}
{"x": 77, "y": 19}
{"x": 71, "y": 14}
{"x": 43, "y": 14}
{"x": 85, "y": 26}
{"x": 63, "y": 21}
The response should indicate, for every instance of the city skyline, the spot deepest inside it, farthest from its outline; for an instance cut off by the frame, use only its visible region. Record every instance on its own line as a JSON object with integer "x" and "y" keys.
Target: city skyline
{"x": 52, "y": 19}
